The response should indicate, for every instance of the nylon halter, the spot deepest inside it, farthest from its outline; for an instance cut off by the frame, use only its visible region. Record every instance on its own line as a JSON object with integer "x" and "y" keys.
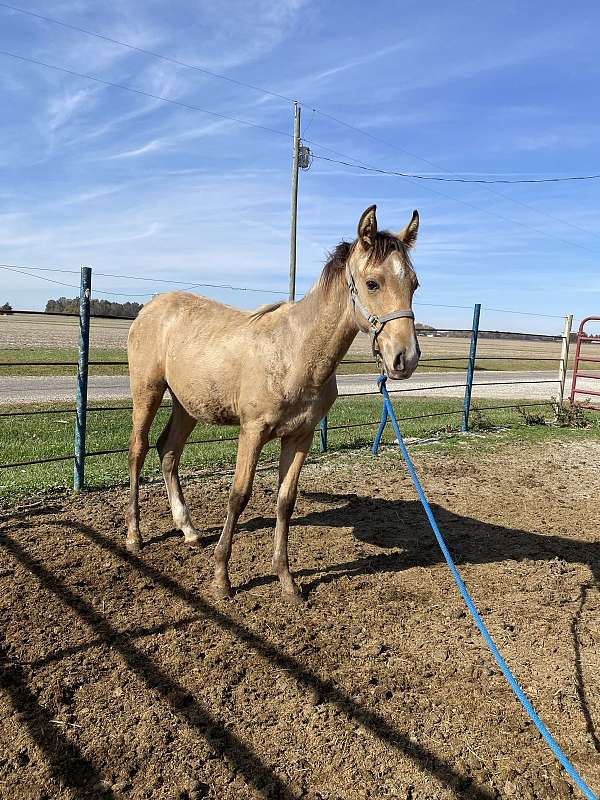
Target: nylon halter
{"x": 376, "y": 322}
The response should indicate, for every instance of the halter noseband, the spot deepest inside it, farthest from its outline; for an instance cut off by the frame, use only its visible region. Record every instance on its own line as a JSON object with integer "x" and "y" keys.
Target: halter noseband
{"x": 376, "y": 322}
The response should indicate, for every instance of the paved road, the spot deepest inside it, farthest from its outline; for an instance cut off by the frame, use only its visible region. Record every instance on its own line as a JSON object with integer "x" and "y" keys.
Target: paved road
{"x": 509, "y": 385}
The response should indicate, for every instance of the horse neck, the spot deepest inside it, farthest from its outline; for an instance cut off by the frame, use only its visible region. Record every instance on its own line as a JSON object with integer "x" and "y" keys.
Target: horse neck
{"x": 324, "y": 328}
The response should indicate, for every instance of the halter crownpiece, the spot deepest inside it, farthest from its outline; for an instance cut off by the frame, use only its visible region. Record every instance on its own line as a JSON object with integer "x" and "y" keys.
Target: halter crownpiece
{"x": 376, "y": 322}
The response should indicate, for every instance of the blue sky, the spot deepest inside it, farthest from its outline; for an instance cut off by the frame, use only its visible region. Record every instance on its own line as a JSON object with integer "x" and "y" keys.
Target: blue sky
{"x": 130, "y": 185}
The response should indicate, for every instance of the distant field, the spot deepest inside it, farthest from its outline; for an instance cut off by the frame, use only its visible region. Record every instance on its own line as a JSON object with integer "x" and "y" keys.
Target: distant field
{"x": 27, "y": 338}
{"x": 24, "y": 330}
{"x": 443, "y": 353}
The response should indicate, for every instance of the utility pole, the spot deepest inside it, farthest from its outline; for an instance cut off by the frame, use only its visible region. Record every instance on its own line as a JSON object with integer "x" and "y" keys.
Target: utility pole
{"x": 294, "y": 206}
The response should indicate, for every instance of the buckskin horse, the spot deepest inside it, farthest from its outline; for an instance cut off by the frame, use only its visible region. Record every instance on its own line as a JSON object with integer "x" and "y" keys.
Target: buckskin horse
{"x": 272, "y": 372}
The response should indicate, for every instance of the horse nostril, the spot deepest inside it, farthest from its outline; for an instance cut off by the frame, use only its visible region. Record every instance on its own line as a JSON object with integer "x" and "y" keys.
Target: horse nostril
{"x": 399, "y": 361}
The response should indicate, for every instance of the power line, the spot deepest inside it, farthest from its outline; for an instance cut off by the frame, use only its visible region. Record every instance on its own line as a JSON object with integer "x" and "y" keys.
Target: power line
{"x": 329, "y": 149}
{"x": 370, "y": 168}
{"x": 41, "y": 269}
{"x": 437, "y": 166}
{"x": 169, "y": 100}
{"x": 19, "y": 268}
{"x": 269, "y": 92}
{"x": 568, "y": 223}
{"x": 191, "y": 286}
{"x": 41, "y": 277}
{"x": 326, "y": 115}
{"x": 142, "y": 50}
{"x": 143, "y": 93}
{"x": 524, "y": 313}
{"x": 487, "y": 308}
{"x": 417, "y": 176}
{"x": 71, "y": 285}
{"x": 355, "y": 164}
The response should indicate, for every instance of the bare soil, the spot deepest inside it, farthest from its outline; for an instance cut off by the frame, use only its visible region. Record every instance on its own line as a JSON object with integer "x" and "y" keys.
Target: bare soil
{"x": 449, "y": 346}
{"x": 122, "y": 677}
{"x": 18, "y": 331}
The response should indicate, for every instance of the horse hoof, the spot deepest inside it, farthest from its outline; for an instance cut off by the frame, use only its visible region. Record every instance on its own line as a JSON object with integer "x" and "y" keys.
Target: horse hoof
{"x": 294, "y": 598}
{"x": 193, "y": 540}
{"x": 133, "y": 545}
{"x": 222, "y": 592}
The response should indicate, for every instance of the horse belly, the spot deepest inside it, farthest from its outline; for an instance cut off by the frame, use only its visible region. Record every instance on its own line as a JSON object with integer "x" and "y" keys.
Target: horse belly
{"x": 207, "y": 402}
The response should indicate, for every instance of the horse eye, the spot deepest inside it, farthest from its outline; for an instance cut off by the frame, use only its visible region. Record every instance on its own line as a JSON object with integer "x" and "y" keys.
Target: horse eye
{"x": 372, "y": 285}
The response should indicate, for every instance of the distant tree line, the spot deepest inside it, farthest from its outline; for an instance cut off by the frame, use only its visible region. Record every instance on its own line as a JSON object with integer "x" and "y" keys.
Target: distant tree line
{"x": 466, "y": 334}
{"x": 107, "y": 308}
{"x": 6, "y": 309}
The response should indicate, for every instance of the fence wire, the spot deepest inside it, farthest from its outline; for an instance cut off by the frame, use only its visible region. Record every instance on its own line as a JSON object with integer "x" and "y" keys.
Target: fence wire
{"x": 440, "y": 362}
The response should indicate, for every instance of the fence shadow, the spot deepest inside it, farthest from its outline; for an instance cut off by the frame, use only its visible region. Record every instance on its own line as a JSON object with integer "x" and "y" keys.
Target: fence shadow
{"x": 226, "y": 744}
{"x": 403, "y": 527}
{"x": 67, "y": 764}
{"x": 387, "y": 524}
{"x": 579, "y": 679}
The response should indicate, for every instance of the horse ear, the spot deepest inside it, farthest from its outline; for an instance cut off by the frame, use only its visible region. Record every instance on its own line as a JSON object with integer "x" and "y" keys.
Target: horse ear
{"x": 367, "y": 227}
{"x": 408, "y": 235}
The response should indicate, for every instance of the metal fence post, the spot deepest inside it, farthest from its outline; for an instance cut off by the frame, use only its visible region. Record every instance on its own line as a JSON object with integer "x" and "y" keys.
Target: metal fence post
{"x": 563, "y": 364}
{"x": 471, "y": 368}
{"x": 82, "y": 377}
{"x": 323, "y": 434}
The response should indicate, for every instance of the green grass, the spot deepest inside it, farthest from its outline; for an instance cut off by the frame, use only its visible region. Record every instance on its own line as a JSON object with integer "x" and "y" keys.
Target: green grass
{"x": 70, "y": 354}
{"x": 25, "y": 438}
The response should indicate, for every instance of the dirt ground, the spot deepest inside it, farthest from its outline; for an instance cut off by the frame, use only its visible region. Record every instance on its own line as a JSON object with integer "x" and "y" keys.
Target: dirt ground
{"x": 24, "y": 330}
{"x": 123, "y": 678}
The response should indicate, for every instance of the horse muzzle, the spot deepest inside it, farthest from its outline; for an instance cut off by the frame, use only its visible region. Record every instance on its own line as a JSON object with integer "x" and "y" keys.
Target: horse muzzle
{"x": 402, "y": 365}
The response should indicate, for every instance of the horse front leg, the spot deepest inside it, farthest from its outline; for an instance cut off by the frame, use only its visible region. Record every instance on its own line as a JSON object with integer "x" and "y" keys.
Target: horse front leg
{"x": 250, "y": 444}
{"x": 293, "y": 454}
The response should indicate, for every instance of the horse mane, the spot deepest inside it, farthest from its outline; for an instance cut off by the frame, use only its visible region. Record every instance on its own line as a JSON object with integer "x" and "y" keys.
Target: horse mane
{"x": 335, "y": 264}
{"x": 266, "y": 309}
{"x": 335, "y": 267}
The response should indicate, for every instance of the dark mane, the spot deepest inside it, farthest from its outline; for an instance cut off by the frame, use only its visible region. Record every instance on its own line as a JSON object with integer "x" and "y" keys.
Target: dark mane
{"x": 265, "y": 309}
{"x": 335, "y": 264}
{"x": 385, "y": 244}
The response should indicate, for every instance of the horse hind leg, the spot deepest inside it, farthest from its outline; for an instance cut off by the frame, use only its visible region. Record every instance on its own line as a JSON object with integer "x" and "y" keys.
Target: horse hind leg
{"x": 146, "y": 401}
{"x": 170, "y": 446}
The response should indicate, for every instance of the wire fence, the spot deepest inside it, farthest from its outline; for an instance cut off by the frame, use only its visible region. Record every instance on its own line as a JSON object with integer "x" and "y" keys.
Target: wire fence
{"x": 517, "y": 348}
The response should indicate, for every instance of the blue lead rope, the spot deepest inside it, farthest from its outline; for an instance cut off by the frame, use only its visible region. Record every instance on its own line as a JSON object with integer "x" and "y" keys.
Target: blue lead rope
{"x": 389, "y": 411}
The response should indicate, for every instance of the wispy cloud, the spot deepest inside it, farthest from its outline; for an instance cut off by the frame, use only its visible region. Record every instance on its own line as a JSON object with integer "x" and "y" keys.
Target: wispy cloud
{"x": 150, "y": 147}
{"x": 62, "y": 108}
{"x": 92, "y": 174}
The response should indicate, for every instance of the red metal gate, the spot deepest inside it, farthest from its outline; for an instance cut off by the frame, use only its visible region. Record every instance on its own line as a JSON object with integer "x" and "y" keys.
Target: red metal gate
{"x": 594, "y": 357}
